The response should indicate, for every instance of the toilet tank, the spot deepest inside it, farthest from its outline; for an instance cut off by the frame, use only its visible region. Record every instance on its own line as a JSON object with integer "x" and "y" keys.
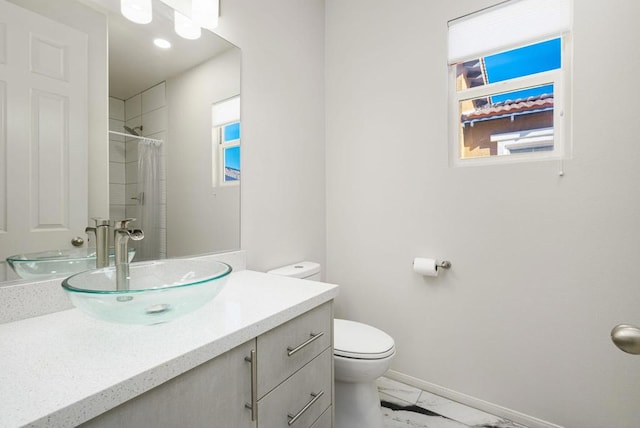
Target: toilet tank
{"x": 303, "y": 270}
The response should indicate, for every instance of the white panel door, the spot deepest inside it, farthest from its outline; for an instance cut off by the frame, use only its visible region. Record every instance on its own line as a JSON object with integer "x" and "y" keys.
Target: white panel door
{"x": 43, "y": 132}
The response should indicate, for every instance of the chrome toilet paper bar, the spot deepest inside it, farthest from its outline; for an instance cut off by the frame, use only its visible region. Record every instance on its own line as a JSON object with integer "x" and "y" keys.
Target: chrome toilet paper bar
{"x": 445, "y": 264}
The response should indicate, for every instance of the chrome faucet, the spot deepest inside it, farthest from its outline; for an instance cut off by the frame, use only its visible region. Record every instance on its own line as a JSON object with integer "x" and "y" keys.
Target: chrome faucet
{"x": 101, "y": 232}
{"x": 122, "y": 234}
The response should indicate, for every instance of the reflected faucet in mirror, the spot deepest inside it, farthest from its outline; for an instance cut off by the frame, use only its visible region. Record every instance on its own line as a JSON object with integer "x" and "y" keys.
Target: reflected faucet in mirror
{"x": 101, "y": 233}
{"x": 122, "y": 234}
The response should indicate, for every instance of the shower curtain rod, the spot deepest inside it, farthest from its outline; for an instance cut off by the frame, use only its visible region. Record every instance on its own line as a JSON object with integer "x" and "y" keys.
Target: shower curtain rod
{"x": 135, "y": 136}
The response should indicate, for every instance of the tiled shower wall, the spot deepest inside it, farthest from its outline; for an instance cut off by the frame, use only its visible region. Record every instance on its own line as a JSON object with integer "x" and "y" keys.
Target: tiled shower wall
{"x": 117, "y": 179}
{"x": 149, "y": 110}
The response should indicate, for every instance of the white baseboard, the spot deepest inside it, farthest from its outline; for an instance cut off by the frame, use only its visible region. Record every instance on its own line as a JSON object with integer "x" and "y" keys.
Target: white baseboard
{"x": 467, "y": 400}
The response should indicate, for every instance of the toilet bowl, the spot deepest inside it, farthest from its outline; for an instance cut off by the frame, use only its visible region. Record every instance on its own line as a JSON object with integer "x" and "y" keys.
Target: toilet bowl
{"x": 361, "y": 354}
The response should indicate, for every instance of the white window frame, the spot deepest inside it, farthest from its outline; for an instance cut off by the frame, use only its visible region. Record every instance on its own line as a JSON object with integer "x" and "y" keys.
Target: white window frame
{"x": 559, "y": 78}
{"x": 224, "y": 112}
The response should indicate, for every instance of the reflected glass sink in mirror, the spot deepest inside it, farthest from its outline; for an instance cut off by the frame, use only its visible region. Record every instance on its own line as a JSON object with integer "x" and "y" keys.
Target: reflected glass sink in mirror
{"x": 159, "y": 291}
{"x": 47, "y": 264}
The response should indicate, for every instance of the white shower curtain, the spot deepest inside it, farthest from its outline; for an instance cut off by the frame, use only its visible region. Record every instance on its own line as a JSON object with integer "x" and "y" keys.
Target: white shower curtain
{"x": 148, "y": 199}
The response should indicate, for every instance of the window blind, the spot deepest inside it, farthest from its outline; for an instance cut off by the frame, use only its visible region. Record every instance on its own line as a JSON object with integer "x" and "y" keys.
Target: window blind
{"x": 226, "y": 111}
{"x": 508, "y": 24}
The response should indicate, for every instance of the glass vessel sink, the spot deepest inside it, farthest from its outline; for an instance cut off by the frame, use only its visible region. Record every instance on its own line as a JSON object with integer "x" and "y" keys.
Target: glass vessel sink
{"x": 56, "y": 262}
{"x": 159, "y": 291}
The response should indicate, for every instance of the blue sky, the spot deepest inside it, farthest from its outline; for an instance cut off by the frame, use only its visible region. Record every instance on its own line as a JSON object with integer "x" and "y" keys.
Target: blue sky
{"x": 232, "y": 157}
{"x": 524, "y": 61}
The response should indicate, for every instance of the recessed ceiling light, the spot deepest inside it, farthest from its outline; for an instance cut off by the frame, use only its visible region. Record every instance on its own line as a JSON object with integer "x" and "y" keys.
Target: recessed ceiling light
{"x": 162, "y": 43}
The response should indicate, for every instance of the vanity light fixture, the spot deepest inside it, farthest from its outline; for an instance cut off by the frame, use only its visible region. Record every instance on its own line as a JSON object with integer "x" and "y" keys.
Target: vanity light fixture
{"x": 185, "y": 27}
{"x": 205, "y": 13}
{"x": 162, "y": 43}
{"x": 138, "y": 11}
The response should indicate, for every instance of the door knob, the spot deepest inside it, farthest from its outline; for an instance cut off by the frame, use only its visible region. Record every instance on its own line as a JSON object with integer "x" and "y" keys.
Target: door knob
{"x": 77, "y": 241}
{"x": 627, "y": 338}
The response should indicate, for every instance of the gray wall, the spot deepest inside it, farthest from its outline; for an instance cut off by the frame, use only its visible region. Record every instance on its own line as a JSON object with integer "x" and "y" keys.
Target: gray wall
{"x": 543, "y": 266}
{"x": 213, "y": 223}
{"x": 283, "y": 170}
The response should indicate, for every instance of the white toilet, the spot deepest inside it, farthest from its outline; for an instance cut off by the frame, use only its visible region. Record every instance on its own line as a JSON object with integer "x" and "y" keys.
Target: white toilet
{"x": 361, "y": 354}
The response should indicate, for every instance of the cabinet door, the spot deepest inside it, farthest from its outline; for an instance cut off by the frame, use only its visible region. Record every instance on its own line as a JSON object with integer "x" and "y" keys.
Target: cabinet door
{"x": 212, "y": 395}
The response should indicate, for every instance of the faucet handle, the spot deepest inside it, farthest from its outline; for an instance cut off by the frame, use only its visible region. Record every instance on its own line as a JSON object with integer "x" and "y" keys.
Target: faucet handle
{"x": 136, "y": 234}
{"x": 101, "y": 221}
{"x": 123, "y": 224}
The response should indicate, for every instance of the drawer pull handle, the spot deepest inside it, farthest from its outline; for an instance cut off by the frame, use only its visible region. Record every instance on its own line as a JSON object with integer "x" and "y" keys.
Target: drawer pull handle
{"x": 302, "y": 345}
{"x": 254, "y": 385}
{"x": 294, "y": 418}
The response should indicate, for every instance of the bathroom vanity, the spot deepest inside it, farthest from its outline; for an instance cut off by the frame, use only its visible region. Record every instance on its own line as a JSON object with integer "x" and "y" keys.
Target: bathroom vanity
{"x": 259, "y": 355}
{"x": 262, "y": 382}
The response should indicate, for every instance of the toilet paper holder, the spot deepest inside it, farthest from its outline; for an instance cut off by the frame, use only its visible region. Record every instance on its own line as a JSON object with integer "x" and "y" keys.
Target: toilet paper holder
{"x": 444, "y": 264}
{"x": 429, "y": 267}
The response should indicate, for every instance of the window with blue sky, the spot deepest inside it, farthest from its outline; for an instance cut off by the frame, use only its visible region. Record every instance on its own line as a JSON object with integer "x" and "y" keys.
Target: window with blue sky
{"x": 509, "y": 77}
{"x": 231, "y": 152}
{"x": 226, "y": 142}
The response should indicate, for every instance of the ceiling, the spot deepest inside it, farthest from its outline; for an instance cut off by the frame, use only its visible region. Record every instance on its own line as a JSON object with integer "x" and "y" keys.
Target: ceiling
{"x": 136, "y": 64}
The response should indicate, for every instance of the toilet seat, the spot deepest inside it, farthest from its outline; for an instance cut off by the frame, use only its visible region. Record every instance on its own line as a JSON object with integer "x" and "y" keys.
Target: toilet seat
{"x": 360, "y": 341}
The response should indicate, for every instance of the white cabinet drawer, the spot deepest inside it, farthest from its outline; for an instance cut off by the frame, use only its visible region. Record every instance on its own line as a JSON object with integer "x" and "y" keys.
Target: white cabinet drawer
{"x": 305, "y": 396}
{"x": 285, "y": 349}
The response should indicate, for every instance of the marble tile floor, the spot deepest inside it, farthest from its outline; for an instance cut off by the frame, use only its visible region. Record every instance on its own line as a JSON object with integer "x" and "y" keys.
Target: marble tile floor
{"x": 404, "y": 406}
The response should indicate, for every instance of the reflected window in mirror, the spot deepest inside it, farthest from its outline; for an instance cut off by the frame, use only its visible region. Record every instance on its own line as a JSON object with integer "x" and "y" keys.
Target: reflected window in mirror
{"x": 226, "y": 142}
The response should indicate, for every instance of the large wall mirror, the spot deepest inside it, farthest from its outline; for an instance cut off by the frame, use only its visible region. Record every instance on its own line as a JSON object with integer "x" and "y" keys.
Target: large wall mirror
{"x": 164, "y": 148}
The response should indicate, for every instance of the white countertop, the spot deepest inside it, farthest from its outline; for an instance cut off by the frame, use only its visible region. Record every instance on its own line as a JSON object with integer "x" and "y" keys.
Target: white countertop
{"x": 62, "y": 369}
